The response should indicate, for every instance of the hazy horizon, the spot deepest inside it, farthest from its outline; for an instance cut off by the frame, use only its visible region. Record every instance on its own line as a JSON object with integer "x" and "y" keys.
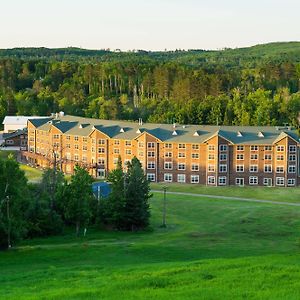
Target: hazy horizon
{"x": 145, "y": 25}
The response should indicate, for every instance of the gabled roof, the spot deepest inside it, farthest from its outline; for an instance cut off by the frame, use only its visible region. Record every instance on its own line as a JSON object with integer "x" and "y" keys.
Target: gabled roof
{"x": 14, "y": 134}
{"x": 164, "y": 132}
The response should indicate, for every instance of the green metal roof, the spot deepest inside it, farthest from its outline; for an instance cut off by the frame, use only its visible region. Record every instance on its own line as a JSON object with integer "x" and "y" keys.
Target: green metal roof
{"x": 126, "y": 130}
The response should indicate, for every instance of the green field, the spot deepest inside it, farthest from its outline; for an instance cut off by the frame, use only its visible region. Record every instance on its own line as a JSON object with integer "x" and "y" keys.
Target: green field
{"x": 258, "y": 192}
{"x": 211, "y": 249}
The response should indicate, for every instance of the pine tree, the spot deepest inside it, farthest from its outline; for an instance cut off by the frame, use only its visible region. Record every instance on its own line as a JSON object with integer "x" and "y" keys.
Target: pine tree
{"x": 137, "y": 195}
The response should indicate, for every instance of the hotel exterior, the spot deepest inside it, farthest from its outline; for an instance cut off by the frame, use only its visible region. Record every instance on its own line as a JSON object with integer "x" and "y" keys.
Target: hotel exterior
{"x": 207, "y": 155}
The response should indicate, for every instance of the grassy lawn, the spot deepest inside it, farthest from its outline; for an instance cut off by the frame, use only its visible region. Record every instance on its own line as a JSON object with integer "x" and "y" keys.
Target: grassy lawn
{"x": 211, "y": 249}
{"x": 264, "y": 193}
{"x": 32, "y": 174}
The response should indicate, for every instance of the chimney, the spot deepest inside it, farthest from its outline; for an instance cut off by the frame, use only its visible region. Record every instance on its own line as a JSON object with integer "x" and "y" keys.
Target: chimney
{"x": 140, "y": 121}
{"x": 174, "y": 125}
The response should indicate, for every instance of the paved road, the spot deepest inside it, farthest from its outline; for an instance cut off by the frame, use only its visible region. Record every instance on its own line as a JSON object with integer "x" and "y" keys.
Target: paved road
{"x": 230, "y": 198}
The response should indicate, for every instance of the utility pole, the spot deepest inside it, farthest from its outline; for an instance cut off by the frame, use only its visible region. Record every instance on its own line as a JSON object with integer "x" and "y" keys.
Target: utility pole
{"x": 164, "y": 224}
{"x": 8, "y": 222}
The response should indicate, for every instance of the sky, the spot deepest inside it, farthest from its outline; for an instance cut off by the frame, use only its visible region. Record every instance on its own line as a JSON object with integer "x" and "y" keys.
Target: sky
{"x": 148, "y": 25}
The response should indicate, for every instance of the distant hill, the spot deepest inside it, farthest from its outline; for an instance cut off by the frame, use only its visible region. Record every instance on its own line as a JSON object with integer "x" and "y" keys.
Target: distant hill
{"x": 278, "y": 52}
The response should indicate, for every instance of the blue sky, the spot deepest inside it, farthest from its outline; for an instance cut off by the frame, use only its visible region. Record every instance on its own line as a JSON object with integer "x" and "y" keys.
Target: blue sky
{"x": 150, "y": 25}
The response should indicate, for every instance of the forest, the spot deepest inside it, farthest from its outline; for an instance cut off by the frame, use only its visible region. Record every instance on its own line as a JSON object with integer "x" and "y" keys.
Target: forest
{"x": 249, "y": 86}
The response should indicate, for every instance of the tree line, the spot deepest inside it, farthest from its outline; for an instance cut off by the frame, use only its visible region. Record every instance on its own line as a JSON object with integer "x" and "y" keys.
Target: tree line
{"x": 233, "y": 87}
{"x": 47, "y": 208}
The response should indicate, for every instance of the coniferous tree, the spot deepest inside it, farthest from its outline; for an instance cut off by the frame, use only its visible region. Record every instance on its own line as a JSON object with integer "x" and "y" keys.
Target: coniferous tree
{"x": 137, "y": 195}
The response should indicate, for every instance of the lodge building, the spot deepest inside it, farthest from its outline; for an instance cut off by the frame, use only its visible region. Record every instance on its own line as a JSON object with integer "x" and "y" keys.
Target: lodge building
{"x": 199, "y": 154}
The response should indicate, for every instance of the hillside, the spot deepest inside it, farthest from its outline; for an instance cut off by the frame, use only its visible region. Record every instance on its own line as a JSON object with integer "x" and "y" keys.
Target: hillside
{"x": 211, "y": 249}
{"x": 265, "y": 52}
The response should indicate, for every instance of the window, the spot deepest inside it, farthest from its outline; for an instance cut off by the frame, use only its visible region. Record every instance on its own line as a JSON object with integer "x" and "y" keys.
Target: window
{"x": 68, "y": 156}
{"x": 168, "y": 154}
{"x": 253, "y": 147}
{"x": 222, "y": 180}
{"x": 127, "y": 143}
{"x": 168, "y": 165}
{"x": 76, "y": 157}
{"x": 279, "y": 169}
{"x": 93, "y": 141}
{"x": 101, "y": 161}
{"x": 84, "y": 159}
{"x": 223, "y": 156}
{"x": 151, "y": 165}
{"x": 291, "y": 182}
{"x": 84, "y": 139}
{"x": 141, "y": 145}
{"x": 56, "y": 136}
{"x": 151, "y": 154}
{"x": 84, "y": 147}
{"x": 194, "y": 178}
{"x": 151, "y": 145}
{"x": 76, "y": 138}
{"x": 181, "y": 178}
{"x": 211, "y": 180}
{"x": 151, "y": 176}
{"x": 116, "y": 151}
{"x": 181, "y": 146}
{"x": 195, "y": 155}
{"x": 280, "y": 157}
{"x": 267, "y": 182}
{"x": 292, "y": 157}
{"x": 168, "y": 177}
{"x": 195, "y": 167}
{"x": 292, "y": 148}
{"x": 211, "y": 168}
{"x": 223, "y": 168}
{"x": 93, "y": 149}
{"x": 141, "y": 153}
{"x": 211, "y": 156}
{"x": 239, "y": 181}
{"x": 253, "y": 180}
{"x": 168, "y": 146}
{"x": 223, "y": 147}
{"x": 280, "y": 148}
{"x": 68, "y": 146}
{"x": 115, "y": 161}
{"x": 240, "y": 168}
{"x": 280, "y": 181}
{"x": 292, "y": 169}
{"x": 76, "y": 146}
{"x": 211, "y": 147}
{"x": 128, "y": 151}
{"x": 240, "y": 156}
{"x": 68, "y": 137}
{"x": 181, "y": 166}
{"x": 116, "y": 142}
{"x": 195, "y": 147}
{"x": 101, "y": 150}
{"x": 240, "y": 148}
{"x": 268, "y": 168}
{"x": 268, "y": 156}
{"x": 181, "y": 154}
{"x": 253, "y": 168}
{"x": 254, "y": 156}
{"x": 268, "y": 148}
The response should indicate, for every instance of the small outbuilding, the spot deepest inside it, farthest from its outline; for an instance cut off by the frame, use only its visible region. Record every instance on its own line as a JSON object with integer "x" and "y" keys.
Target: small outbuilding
{"x": 13, "y": 123}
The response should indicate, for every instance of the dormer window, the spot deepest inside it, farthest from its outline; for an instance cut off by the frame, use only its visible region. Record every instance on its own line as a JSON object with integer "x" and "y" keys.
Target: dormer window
{"x": 122, "y": 130}
{"x": 138, "y": 131}
{"x": 239, "y": 134}
{"x": 174, "y": 132}
{"x": 260, "y": 134}
{"x": 196, "y": 133}
{"x": 80, "y": 126}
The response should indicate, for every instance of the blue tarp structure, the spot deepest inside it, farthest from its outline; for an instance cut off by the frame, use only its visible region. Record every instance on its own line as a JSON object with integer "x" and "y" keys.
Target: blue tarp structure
{"x": 101, "y": 188}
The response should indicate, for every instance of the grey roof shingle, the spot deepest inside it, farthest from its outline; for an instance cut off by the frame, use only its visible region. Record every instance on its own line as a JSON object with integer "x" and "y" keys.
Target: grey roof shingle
{"x": 84, "y": 126}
